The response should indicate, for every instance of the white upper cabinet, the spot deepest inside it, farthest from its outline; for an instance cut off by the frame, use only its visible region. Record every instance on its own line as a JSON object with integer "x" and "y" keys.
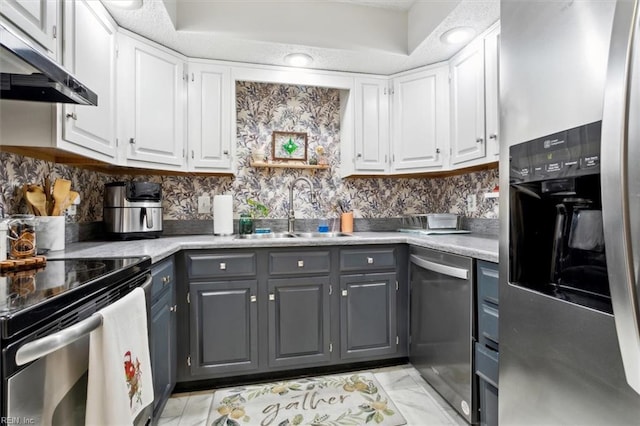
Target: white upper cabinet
{"x": 151, "y": 104}
{"x": 209, "y": 118}
{"x": 371, "y": 125}
{"x": 420, "y": 136}
{"x": 492, "y": 94}
{"x": 37, "y": 18}
{"x": 467, "y": 104}
{"x": 90, "y": 54}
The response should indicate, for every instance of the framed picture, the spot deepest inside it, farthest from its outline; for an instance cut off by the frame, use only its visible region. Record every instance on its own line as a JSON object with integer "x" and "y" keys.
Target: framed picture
{"x": 289, "y": 146}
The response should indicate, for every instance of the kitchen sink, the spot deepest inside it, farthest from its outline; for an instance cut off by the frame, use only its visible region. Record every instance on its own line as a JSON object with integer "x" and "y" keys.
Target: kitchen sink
{"x": 268, "y": 235}
{"x": 277, "y": 235}
{"x": 322, "y": 234}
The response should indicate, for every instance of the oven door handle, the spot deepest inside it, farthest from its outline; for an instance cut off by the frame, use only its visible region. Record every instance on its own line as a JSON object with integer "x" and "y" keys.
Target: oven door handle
{"x": 440, "y": 268}
{"x": 44, "y": 346}
{"x": 39, "y": 348}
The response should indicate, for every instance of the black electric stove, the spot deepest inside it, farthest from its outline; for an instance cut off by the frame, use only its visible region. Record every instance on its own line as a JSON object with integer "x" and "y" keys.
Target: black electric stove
{"x": 30, "y": 298}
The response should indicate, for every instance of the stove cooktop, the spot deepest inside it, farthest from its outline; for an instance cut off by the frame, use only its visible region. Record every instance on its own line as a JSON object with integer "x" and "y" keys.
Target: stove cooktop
{"x": 26, "y": 289}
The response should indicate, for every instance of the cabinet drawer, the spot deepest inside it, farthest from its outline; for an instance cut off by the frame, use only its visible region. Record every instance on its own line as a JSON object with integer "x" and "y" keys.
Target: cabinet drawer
{"x": 306, "y": 262}
{"x": 163, "y": 277}
{"x": 367, "y": 259}
{"x": 221, "y": 265}
{"x": 487, "y": 362}
{"x": 488, "y": 282}
{"x": 488, "y": 323}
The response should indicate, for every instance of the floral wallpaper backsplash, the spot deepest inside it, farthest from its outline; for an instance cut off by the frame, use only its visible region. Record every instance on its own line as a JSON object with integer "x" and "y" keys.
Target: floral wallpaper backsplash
{"x": 262, "y": 109}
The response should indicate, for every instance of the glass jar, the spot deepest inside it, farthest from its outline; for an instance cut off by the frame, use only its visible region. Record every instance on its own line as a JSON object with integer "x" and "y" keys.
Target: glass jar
{"x": 245, "y": 224}
{"x": 22, "y": 236}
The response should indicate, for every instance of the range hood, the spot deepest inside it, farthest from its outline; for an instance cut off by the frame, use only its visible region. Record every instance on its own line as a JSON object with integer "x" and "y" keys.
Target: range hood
{"x": 29, "y": 75}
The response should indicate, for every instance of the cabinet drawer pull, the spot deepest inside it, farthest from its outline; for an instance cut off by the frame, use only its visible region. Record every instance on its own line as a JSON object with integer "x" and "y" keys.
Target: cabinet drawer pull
{"x": 254, "y": 299}
{"x": 493, "y": 136}
{"x": 223, "y": 266}
{"x": 479, "y": 140}
{"x": 272, "y": 297}
{"x": 300, "y": 263}
{"x": 72, "y": 115}
{"x": 370, "y": 260}
{"x": 344, "y": 293}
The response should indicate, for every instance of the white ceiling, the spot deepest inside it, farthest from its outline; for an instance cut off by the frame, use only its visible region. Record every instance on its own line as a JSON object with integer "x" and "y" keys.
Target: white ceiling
{"x": 367, "y": 36}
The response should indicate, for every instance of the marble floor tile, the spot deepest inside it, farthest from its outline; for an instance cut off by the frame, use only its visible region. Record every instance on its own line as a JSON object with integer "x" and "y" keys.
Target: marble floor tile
{"x": 196, "y": 411}
{"x": 419, "y": 409}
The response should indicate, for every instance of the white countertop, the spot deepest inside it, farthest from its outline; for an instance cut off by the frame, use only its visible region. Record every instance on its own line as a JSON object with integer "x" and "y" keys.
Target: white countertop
{"x": 479, "y": 246}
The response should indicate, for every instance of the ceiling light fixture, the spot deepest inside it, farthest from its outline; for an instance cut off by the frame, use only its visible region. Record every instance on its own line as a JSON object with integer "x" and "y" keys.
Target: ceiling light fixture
{"x": 298, "y": 59}
{"x": 458, "y": 35}
{"x": 126, "y": 4}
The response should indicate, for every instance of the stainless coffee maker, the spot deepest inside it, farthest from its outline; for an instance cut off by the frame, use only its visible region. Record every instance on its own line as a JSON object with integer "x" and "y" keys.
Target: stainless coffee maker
{"x": 132, "y": 210}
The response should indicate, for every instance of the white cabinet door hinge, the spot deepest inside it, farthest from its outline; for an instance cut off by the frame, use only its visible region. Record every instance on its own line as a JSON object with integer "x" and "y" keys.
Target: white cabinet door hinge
{"x": 330, "y": 290}
{"x": 397, "y": 340}
{"x": 397, "y": 286}
{"x": 189, "y": 298}
{"x": 330, "y": 347}
{"x": 189, "y": 360}
{"x": 54, "y": 31}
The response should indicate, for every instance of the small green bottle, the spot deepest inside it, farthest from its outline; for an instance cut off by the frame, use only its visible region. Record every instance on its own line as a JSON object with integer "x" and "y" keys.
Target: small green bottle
{"x": 245, "y": 224}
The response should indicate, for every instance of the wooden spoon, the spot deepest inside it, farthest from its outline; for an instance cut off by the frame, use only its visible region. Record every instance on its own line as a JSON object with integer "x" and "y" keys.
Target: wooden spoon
{"x": 36, "y": 197}
{"x": 61, "y": 189}
{"x": 68, "y": 201}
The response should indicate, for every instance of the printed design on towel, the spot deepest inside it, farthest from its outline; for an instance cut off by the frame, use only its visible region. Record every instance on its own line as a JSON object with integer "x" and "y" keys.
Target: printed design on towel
{"x": 133, "y": 375}
{"x": 321, "y": 401}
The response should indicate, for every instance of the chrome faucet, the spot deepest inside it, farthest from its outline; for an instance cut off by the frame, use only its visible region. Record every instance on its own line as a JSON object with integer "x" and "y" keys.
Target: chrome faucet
{"x": 312, "y": 198}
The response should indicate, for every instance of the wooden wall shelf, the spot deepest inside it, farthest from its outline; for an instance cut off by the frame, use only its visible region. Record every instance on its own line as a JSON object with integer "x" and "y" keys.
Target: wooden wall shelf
{"x": 267, "y": 165}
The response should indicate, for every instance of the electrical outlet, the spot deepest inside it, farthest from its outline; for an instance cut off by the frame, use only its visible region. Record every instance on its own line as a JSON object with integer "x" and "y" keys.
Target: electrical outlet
{"x": 204, "y": 204}
{"x": 471, "y": 203}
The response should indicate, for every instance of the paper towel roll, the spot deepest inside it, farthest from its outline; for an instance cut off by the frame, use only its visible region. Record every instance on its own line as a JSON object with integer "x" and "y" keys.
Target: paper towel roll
{"x": 222, "y": 215}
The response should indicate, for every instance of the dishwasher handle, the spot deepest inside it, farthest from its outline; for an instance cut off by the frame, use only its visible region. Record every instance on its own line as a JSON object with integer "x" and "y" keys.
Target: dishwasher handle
{"x": 44, "y": 346}
{"x": 451, "y": 271}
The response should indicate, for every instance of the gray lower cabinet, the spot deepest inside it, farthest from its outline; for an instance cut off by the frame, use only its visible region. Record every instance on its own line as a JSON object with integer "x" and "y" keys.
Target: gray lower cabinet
{"x": 487, "y": 346}
{"x": 368, "y": 315}
{"x": 162, "y": 333}
{"x": 223, "y": 326}
{"x": 299, "y": 321}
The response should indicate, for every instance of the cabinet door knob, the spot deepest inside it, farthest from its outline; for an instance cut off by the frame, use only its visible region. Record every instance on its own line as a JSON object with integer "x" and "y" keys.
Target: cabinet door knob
{"x": 223, "y": 266}
{"x": 370, "y": 260}
{"x": 359, "y": 155}
{"x": 479, "y": 140}
{"x": 225, "y": 152}
{"x": 272, "y": 296}
{"x": 493, "y": 136}
{"x": 132, "y": 141}
{"x": 254, "y": 299}
{"x": 300, "y": 263}
{"x": 344, "y": 293}
{"x": 72, "y": 115}
{"x": 173, "y": 308}
{"x": 437, "y": 150}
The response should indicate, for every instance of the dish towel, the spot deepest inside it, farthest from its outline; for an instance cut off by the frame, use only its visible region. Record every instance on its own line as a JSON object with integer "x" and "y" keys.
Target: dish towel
{"x": 120, "y": 383}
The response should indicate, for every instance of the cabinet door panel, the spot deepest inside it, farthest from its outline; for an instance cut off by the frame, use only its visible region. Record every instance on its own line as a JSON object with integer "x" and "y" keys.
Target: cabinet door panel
{"x": 492, "y": 95}
{"x": 467, "y": 104}
{"x": 299, "y": 321}
{"x": 163, "y": 348}
{"x": 209, "y": 117}
{"x": 37, "y": 18}
{"x": 90, "y": 45}
{"x": 151, "y": 104}
{"x": 368, "y": 315}
{"x": 224, "y": 327}
{"x": 421, "y": 120}
{"x": 372, "y": 125}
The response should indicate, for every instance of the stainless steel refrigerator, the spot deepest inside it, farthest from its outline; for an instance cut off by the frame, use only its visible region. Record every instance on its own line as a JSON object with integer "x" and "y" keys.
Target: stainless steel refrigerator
{"x": 569, "y": 213}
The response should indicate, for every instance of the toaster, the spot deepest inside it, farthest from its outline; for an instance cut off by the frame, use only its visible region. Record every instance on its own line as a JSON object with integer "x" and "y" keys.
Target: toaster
{"x": 132, "y": 210}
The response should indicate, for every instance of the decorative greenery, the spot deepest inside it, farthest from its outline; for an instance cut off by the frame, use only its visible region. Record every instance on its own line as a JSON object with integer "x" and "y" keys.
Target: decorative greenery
{"x": 258, "y": 210}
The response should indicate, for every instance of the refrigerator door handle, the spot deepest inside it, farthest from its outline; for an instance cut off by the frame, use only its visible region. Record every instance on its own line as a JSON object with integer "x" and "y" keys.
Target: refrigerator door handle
{"x": 619, "y": 210}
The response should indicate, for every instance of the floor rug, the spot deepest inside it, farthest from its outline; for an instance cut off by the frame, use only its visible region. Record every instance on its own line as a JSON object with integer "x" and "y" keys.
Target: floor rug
{"x": 350, "y": 399}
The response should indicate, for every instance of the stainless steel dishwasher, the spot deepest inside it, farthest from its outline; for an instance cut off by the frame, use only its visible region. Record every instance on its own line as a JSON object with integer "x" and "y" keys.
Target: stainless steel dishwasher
{"x": 442, "y": 326}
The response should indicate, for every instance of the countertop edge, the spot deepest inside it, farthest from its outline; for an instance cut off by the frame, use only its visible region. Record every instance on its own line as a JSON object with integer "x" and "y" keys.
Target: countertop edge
{"x": 477, "y": 246}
